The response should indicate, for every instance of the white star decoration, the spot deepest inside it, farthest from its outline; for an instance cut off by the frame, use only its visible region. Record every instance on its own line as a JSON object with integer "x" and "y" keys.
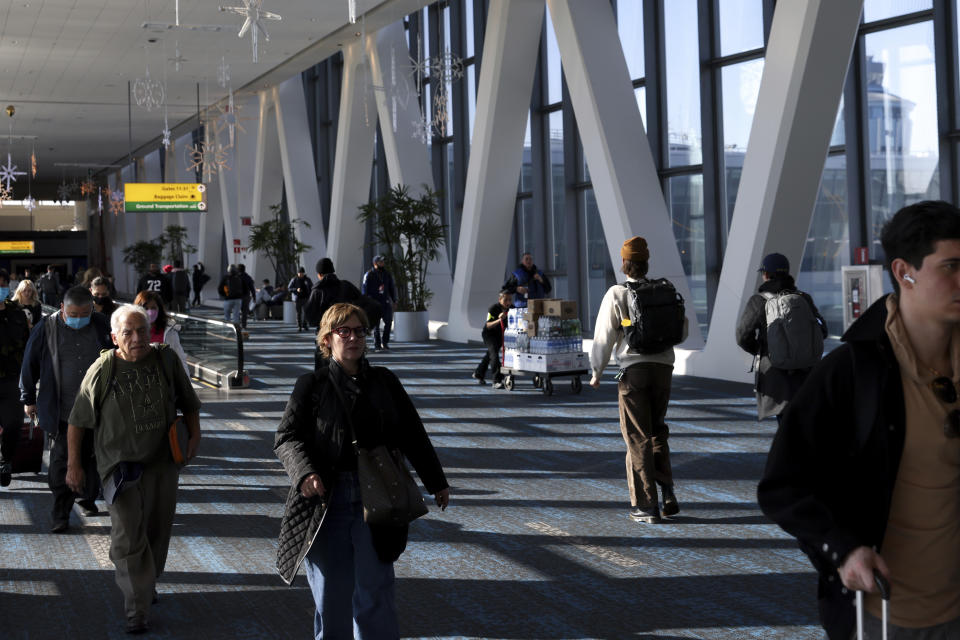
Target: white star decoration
{"x": 253, "y": 22}
{"x": 29, "y": 204}
{"x": 9, "y": 172}
{"x": 64, "y": 193}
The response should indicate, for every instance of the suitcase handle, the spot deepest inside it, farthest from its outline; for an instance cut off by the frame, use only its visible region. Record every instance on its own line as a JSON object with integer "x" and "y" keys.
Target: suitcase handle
{"x": 883, "y": 585}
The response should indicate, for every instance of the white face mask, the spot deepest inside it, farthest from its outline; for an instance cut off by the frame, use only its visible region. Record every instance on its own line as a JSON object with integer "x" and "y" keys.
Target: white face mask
{"x": 152, "y": 315}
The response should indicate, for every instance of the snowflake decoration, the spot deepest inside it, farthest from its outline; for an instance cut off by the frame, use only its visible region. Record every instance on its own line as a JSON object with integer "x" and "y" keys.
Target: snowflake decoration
{"x": 177, "y": 59}
{"x": 207, "y": 158}
{"x": 447, "y": 67}
{"x": 165, "y": 141}
{"x": 33, "y": 163}
{"x": 223, "y": 72}
{"x": 148, "y": 93}
{"x": 64, "y": 193}
{"x": 87, "y": 188}
{"x": 254, "y": 16}
{"x": 229, "y": 120}
{"x": 422, "y": 129}
{"x": 9, "y": 172}
{"x": 4, "y": 195}
{"x": 116, "y": 201}
{"x": 29, "y": 204}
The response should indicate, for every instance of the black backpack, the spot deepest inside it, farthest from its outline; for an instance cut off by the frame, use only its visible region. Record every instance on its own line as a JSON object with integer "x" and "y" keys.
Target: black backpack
{"x": 181, "y": 283}
{"x": 233, "y": 288}
{"x": 656, "y": 316}
{"x": 373, "y": 310}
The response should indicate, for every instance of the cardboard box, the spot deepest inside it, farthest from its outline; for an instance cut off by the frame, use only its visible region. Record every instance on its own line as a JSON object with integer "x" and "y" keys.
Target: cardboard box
{"x": 548, "y": 363}
{"x": 510, "y": 358}
{"x": 552, "y": 307}
{"x": 568, "y": 309}
{"x": 538, "y": 306}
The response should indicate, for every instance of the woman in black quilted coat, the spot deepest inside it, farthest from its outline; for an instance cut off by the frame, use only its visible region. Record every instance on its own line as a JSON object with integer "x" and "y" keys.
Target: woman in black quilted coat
{"x": 349, "y": 564}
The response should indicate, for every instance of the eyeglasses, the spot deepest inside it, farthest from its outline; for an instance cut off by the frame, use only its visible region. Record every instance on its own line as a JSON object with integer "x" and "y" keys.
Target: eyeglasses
{"x": 345, "y": 332}
{"x": 946, "y": 392}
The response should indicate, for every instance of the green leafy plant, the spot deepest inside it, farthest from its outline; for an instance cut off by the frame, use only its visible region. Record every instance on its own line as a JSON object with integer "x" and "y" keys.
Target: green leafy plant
{"x": 175, "y": 245}
{"x": 410, "y": 233}
{"x": 142, "y": 253}
{"x": 277, "y": 240}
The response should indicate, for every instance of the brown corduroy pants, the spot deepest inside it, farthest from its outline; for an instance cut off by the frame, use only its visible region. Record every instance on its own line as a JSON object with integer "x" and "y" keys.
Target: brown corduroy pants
{"x": 644, "y": 393}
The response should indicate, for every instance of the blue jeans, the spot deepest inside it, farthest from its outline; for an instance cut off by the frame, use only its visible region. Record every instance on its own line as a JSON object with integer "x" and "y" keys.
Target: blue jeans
{"x": 352, "y": 588}
{"x": 231, "y": 310}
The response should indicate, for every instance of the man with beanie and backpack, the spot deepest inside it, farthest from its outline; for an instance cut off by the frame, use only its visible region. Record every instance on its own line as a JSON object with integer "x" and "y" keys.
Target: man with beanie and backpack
{"x": 329, "y": 290}
{"x": 783, "y": 328}
{"x": 640, "y": 322}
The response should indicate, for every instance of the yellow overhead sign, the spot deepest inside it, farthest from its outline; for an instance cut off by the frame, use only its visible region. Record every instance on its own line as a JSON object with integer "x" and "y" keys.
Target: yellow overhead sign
{"x": 164, "y": 196}
{"x": 16, "y": 246}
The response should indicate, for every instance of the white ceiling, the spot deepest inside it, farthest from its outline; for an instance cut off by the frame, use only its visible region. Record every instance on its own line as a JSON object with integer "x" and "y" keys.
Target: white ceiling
{"x": 66, "y": 64}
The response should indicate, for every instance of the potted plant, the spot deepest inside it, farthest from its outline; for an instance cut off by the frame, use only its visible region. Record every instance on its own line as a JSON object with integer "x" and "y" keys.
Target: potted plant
{"x": 277, "y": 240}
{"x": 142, "y": 254}
{"x": 409, "y": 232}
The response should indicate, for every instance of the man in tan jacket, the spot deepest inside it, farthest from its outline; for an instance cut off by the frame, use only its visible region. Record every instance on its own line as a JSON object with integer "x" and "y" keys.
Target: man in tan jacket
{"x": 643, "y": 387}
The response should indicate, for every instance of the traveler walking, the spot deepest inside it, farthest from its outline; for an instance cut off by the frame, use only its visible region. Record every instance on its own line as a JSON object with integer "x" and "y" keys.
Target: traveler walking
{"x": 780, "y": 314}
{"x": 327, "y": 291}
{"x": 300, "y": 286}
{"x": 163, "y": 328}
{"x": 58, "y": 353}
{"x": 28, "y": 298}
{"x": 49, "y": 286}
{"x": 249, "y": 291}
{"x": 199, "y": 279}
{"x": 157, "y": 282}
{"x": 344, "y": 404}
{"x": 102, "y": 302}
{"x": 645, "y": 358}
{"x": 128, "y": 399}
{"x": 14, "y": 333}
{"x": 527, "y": 282}
{"x": 378, "y": 284}
{"x": 492, "y": 334}
{"x": 863, "y": 469}
{"x": 231, "y": 288}
{"x": 180, "y": 285}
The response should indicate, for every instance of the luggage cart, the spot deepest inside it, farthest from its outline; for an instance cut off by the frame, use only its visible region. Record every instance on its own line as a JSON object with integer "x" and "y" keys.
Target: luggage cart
{"x": 543, "y": 381}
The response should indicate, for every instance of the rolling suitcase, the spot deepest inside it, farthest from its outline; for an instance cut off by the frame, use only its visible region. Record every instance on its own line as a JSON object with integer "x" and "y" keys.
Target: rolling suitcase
{"x": 884, "y": 588}
{"x": 29, "y": 455}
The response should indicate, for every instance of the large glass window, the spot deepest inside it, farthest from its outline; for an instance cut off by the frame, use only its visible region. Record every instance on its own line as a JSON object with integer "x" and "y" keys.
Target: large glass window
{"x": 685, "y": 197}
{"x": 526, "y": 227}
{"x": 828, "y": 245}
{"x": 468, "y": 28}
{"x": 683, "y": 82}
{"x": 557, "y": 192}
{"x": 600, "y": 274}
{"x": 901, "y": 121}
{"x": 630, "y": 26}
{"x": 882, "y": 9}
{"x": 741, "y": 26}
{"x": 741, "y": 86}
{"x": 554, "y": 69}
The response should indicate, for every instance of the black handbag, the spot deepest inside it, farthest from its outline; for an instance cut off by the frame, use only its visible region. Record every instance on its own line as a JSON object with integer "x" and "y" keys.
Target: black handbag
{"x": 388, "y": 492}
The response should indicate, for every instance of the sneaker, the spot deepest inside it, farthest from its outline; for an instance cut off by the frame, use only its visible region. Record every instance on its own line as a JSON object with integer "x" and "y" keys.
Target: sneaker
{"x": 5, "y": 474}
{"x": 88, "y": 507}
{"x": 386, "y": 348}
{"x": 648, "y": 516}
{"x": 377, "y": 347}
{"x": 60, "y": 526}
{"x": 498, "y": 385}
{"x": 137, "y": 624}
{"x": 670, "y": 505}
{"x": 478, "y": 378}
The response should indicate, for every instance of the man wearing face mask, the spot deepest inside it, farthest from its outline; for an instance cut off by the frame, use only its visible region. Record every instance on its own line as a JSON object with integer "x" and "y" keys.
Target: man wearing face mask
{"x": 60, "y": 350}
{"x": 102, "y": 303}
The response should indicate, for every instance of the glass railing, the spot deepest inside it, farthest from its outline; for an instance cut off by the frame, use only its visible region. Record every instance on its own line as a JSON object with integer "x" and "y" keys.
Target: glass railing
{"x": 214, "y": 349}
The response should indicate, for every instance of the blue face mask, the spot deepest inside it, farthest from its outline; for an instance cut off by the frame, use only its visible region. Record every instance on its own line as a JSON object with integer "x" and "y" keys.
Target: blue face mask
{"x": 77, "y": 323}
{"x": 4, "y": 292}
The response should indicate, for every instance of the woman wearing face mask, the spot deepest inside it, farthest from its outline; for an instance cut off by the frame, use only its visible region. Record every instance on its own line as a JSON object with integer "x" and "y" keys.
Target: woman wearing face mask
{"x": 162, "y": 328}
{"x": 27, "y": 297}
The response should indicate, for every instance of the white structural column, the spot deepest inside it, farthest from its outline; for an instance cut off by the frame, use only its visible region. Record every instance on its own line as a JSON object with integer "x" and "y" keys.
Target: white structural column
{"x": 299, "y": 169}
{"x": 351, "y": 167}
{"x": 811, "y": 42}
{"x": 406, "y": 154}
{"x": 503, "y": 100}
{"x": 259, "y": 183}
{"x": 625, "y": 181}
{"x": 227, "y": 184}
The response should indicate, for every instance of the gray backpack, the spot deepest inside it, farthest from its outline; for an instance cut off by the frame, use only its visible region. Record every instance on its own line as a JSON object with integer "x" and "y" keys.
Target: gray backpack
{"x": 794, "y": 338}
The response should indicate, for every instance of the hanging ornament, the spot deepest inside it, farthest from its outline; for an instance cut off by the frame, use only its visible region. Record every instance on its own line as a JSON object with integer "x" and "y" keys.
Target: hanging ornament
{"x": 422, "y": 129}
{"x": 9, "y": 172}
{"x": 254, "y": 16}
{"x": 177, "y": 59}
{"x": 4, "y": 195}
{"x": 223, "y": 72}
{"x": 228, "y": 119}
{"x": 352, "y": 11}
{"x": 208, "y": 159}
{"x": 64, "y": 193}
{"x": 100, "y": 201}
{"x": 33, "y": 163}
{"x": 114, "y": 201}
{"x": 87, "y": 188}
{"x": 147, "y": 93}
{"x": 29, "y": 204}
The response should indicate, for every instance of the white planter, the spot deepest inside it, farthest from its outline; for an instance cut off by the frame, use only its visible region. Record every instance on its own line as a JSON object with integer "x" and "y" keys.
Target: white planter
{"x": 410, "y": 326}
{"x": 289, "y": 312}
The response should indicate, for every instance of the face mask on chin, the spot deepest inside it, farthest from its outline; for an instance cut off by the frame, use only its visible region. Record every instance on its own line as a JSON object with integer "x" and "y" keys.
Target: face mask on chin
{"x": 77, "y": 323}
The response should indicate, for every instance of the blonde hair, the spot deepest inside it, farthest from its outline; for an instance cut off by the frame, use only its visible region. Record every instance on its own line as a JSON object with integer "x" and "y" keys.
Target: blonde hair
{"x": 22, "y": 290}
{"x": 334, "y": 317}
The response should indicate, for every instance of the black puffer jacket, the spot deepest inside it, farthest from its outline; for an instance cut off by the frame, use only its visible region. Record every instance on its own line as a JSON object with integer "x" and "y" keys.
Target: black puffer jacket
{"x": 310, "y": 438}
{"x": 774, "y": 387}
{"x": 831, "y": 471}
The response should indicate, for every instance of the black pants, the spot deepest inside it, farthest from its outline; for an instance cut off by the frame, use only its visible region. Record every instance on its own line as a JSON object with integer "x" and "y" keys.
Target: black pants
{"x": 493, "y": 342}
{"x": 11, "y": 418}
{"x": 244, "y": 311}
{"x": 63, "y": 496}
{"x": 301, "y": 316}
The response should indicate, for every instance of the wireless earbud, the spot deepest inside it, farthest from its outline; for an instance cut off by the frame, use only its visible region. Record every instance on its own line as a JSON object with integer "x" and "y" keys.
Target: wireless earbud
{"x": 909, "y": 279}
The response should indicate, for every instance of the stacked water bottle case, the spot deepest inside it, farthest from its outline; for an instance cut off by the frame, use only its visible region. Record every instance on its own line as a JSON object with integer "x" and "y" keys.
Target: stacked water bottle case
{"x": 544, "y": 337}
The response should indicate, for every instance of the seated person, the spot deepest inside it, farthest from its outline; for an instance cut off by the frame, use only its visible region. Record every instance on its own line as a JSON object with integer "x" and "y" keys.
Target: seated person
{"x": 262, "y": 300}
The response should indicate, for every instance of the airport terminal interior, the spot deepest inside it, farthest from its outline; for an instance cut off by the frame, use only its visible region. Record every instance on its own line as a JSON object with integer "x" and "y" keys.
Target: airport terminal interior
{"x": 264, "y": 134}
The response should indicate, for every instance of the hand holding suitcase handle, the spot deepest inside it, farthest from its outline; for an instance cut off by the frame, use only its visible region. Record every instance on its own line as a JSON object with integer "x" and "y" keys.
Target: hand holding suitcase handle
{"x": 883, "y": 585}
